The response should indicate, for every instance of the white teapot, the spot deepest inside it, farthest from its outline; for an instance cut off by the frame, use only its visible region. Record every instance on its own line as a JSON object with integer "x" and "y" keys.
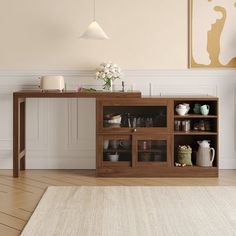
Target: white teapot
{"x": 205, "y": 154}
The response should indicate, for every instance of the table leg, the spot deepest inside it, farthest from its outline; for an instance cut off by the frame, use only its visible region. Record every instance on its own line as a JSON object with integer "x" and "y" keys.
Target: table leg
{"x": 18, "y": 134}
{"x": 22, "y": 135}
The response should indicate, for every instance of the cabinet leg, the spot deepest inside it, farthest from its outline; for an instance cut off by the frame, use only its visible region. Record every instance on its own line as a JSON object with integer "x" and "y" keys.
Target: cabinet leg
{"x": 18, "y": 135}
{"x": 16, "y": 119}
{"x": 22, "y": 163}
{"x": 22, "y": 135}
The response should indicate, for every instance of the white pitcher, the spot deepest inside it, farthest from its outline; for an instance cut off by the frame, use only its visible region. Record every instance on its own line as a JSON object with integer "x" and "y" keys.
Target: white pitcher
{"x": 205, "y": 154}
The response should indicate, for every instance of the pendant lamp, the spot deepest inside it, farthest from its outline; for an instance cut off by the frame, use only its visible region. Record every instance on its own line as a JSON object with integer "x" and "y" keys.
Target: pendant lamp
{"x": 94, "y": 30}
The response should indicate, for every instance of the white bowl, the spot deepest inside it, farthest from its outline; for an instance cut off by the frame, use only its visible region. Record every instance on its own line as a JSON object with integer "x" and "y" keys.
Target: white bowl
{"x": 113, "y": 157}
{"x": 114, "y": 121}
{"x": 182, "y": 111}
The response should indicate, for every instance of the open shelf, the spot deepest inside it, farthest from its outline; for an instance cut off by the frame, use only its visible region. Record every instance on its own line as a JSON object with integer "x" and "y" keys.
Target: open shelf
{"x": 191, "y": 140}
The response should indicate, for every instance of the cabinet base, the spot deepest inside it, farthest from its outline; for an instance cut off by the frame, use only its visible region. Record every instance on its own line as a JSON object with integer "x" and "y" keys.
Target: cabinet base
{"x": 193, "y": 172}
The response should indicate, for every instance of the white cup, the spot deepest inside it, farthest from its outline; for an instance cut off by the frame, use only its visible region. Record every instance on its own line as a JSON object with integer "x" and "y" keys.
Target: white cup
{"x": 105, "y": 144}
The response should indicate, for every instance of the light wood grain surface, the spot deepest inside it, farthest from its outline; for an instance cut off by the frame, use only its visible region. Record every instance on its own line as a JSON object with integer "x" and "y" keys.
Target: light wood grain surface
{"x": 20, "y": 196}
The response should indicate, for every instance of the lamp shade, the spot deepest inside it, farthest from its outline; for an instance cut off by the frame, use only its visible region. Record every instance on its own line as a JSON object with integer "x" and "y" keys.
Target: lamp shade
{"x": 94, "y": 31}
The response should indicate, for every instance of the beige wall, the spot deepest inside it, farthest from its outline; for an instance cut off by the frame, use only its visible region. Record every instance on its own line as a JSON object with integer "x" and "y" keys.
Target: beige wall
{"x": 145, "y": 34}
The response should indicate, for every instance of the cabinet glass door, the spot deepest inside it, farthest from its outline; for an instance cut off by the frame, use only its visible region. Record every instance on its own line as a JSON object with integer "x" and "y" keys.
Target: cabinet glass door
{"x": 134, "y": 116}
{"x": 152, "y": 150}
{"x": 117, "y": 151}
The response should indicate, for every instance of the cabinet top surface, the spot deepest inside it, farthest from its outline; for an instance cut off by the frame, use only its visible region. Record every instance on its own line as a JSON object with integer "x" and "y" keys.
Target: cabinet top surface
{"x": 97, "y": 94}
{"x": 105, "y": 95}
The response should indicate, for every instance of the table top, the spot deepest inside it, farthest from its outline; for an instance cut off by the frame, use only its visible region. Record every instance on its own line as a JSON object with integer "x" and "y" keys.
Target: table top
{"x": 103, "y": 95}
{"x": 75, "y": 94}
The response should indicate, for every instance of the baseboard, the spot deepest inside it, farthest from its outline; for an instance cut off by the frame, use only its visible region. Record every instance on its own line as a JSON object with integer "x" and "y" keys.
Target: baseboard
{"x": 49, "y": 162}
{"x": 61, "y": 163}
{"x": 85, "y": 161}
{"x": 228, "y": 163}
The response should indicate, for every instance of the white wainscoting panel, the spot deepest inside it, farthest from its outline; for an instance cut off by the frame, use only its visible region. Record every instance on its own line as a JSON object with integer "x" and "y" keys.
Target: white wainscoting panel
{"x": 61, "y": 132}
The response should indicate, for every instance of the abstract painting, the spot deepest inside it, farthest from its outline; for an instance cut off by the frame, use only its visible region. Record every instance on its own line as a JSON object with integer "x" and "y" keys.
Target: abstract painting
{"x": 212, "y": 33}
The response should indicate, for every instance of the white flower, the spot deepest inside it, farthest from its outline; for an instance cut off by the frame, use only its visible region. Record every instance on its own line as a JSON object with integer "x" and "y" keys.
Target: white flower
{"x": 108, "y": 71}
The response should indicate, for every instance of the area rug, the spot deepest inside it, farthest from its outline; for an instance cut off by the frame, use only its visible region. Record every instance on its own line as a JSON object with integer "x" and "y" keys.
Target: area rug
{"x": 128, "y": 211}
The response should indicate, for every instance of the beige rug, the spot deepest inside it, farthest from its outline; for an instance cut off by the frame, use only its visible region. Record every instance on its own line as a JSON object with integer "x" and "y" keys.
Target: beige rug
{"x": 128, "y": 211}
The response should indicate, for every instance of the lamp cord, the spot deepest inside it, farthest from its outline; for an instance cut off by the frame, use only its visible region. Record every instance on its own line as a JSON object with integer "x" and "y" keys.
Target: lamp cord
{"x": 94, "y": 6}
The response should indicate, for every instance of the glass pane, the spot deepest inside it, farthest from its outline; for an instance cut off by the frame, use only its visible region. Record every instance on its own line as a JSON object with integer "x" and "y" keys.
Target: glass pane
{"x": 135, "y": 116}
{"x": 117, "y": 150}
{"x": 152, "y": 150}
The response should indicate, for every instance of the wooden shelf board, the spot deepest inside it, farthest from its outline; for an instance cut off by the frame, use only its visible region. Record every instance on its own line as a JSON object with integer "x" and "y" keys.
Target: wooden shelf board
{"x": 197, "y": 167}
{"x": 151, "y": 150}
{"x": 195, "y": 133}
{"x": 117, "y": 163}
{"x": 195, "y": 116}
{"x": 116, "y": 150}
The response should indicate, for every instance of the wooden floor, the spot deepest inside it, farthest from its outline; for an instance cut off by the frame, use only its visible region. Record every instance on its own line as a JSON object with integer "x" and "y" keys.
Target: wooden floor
{"x": 19, "y": 196}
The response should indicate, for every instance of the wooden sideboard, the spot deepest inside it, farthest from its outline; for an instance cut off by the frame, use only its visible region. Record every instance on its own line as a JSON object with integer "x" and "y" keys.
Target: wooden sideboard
{"x": 146, "y": 148}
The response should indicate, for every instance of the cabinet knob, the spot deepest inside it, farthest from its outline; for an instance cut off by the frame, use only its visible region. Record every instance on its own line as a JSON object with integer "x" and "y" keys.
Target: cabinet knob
{"x": 135, "y": 130}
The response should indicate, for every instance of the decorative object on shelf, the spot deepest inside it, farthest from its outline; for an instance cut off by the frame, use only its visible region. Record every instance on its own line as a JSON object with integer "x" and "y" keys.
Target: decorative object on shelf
{"x": 52, "y": 82}
{"x": 144, "y": 144}
{"x": 112, "y": 120}
{"x": 108, "y": 72}
{"x": 113, "y": 157}
{"x": 132, "y": 122}
{"x": 125, "y": 144}
{"x": 197, "y": 108}
{"x": 94, "y": 30}
{"x": 202, "y": 125}
{"x": 105, "y": 144}
{"x": 184, "y": 155}
{"x": 207, "y": 125}
{"x": 186, "y": 125}
{"x": 182, "y": 109}
{"x": 205, "y": 154}
{"x": 177, "y": 125}
{"x": 123, "y": 86}
{"x": 81, "y": 89}
{"x": 159, "y": 157}
{"x": 146, "y": 156}
{"x": 199, "y": 126}
{"x": 114, "y": 144}
{"x": 205, "y": 109}
{"x": 180, "y": 165}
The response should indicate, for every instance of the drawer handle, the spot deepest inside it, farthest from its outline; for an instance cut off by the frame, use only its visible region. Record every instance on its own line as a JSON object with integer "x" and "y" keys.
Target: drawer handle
{"x": 135, "y": 130}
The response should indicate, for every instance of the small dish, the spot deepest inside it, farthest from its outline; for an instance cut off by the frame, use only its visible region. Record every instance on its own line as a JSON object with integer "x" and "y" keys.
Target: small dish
{"x": 113, "y": 157}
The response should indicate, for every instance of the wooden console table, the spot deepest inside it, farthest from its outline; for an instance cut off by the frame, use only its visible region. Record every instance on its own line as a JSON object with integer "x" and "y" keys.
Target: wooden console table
{"x": 19, "y": 124}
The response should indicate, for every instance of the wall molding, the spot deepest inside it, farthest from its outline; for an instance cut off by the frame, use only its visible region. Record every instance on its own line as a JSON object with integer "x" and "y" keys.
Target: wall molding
{"x": 211, "y": 73}
{"x": 52, "y": 131}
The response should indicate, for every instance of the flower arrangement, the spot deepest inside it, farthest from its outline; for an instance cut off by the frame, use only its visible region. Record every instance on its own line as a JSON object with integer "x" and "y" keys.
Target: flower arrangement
{"x": 108, "y": 72}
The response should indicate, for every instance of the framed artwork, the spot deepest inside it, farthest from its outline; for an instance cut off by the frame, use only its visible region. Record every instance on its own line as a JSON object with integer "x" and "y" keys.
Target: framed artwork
{"x": 212, "y": 33}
